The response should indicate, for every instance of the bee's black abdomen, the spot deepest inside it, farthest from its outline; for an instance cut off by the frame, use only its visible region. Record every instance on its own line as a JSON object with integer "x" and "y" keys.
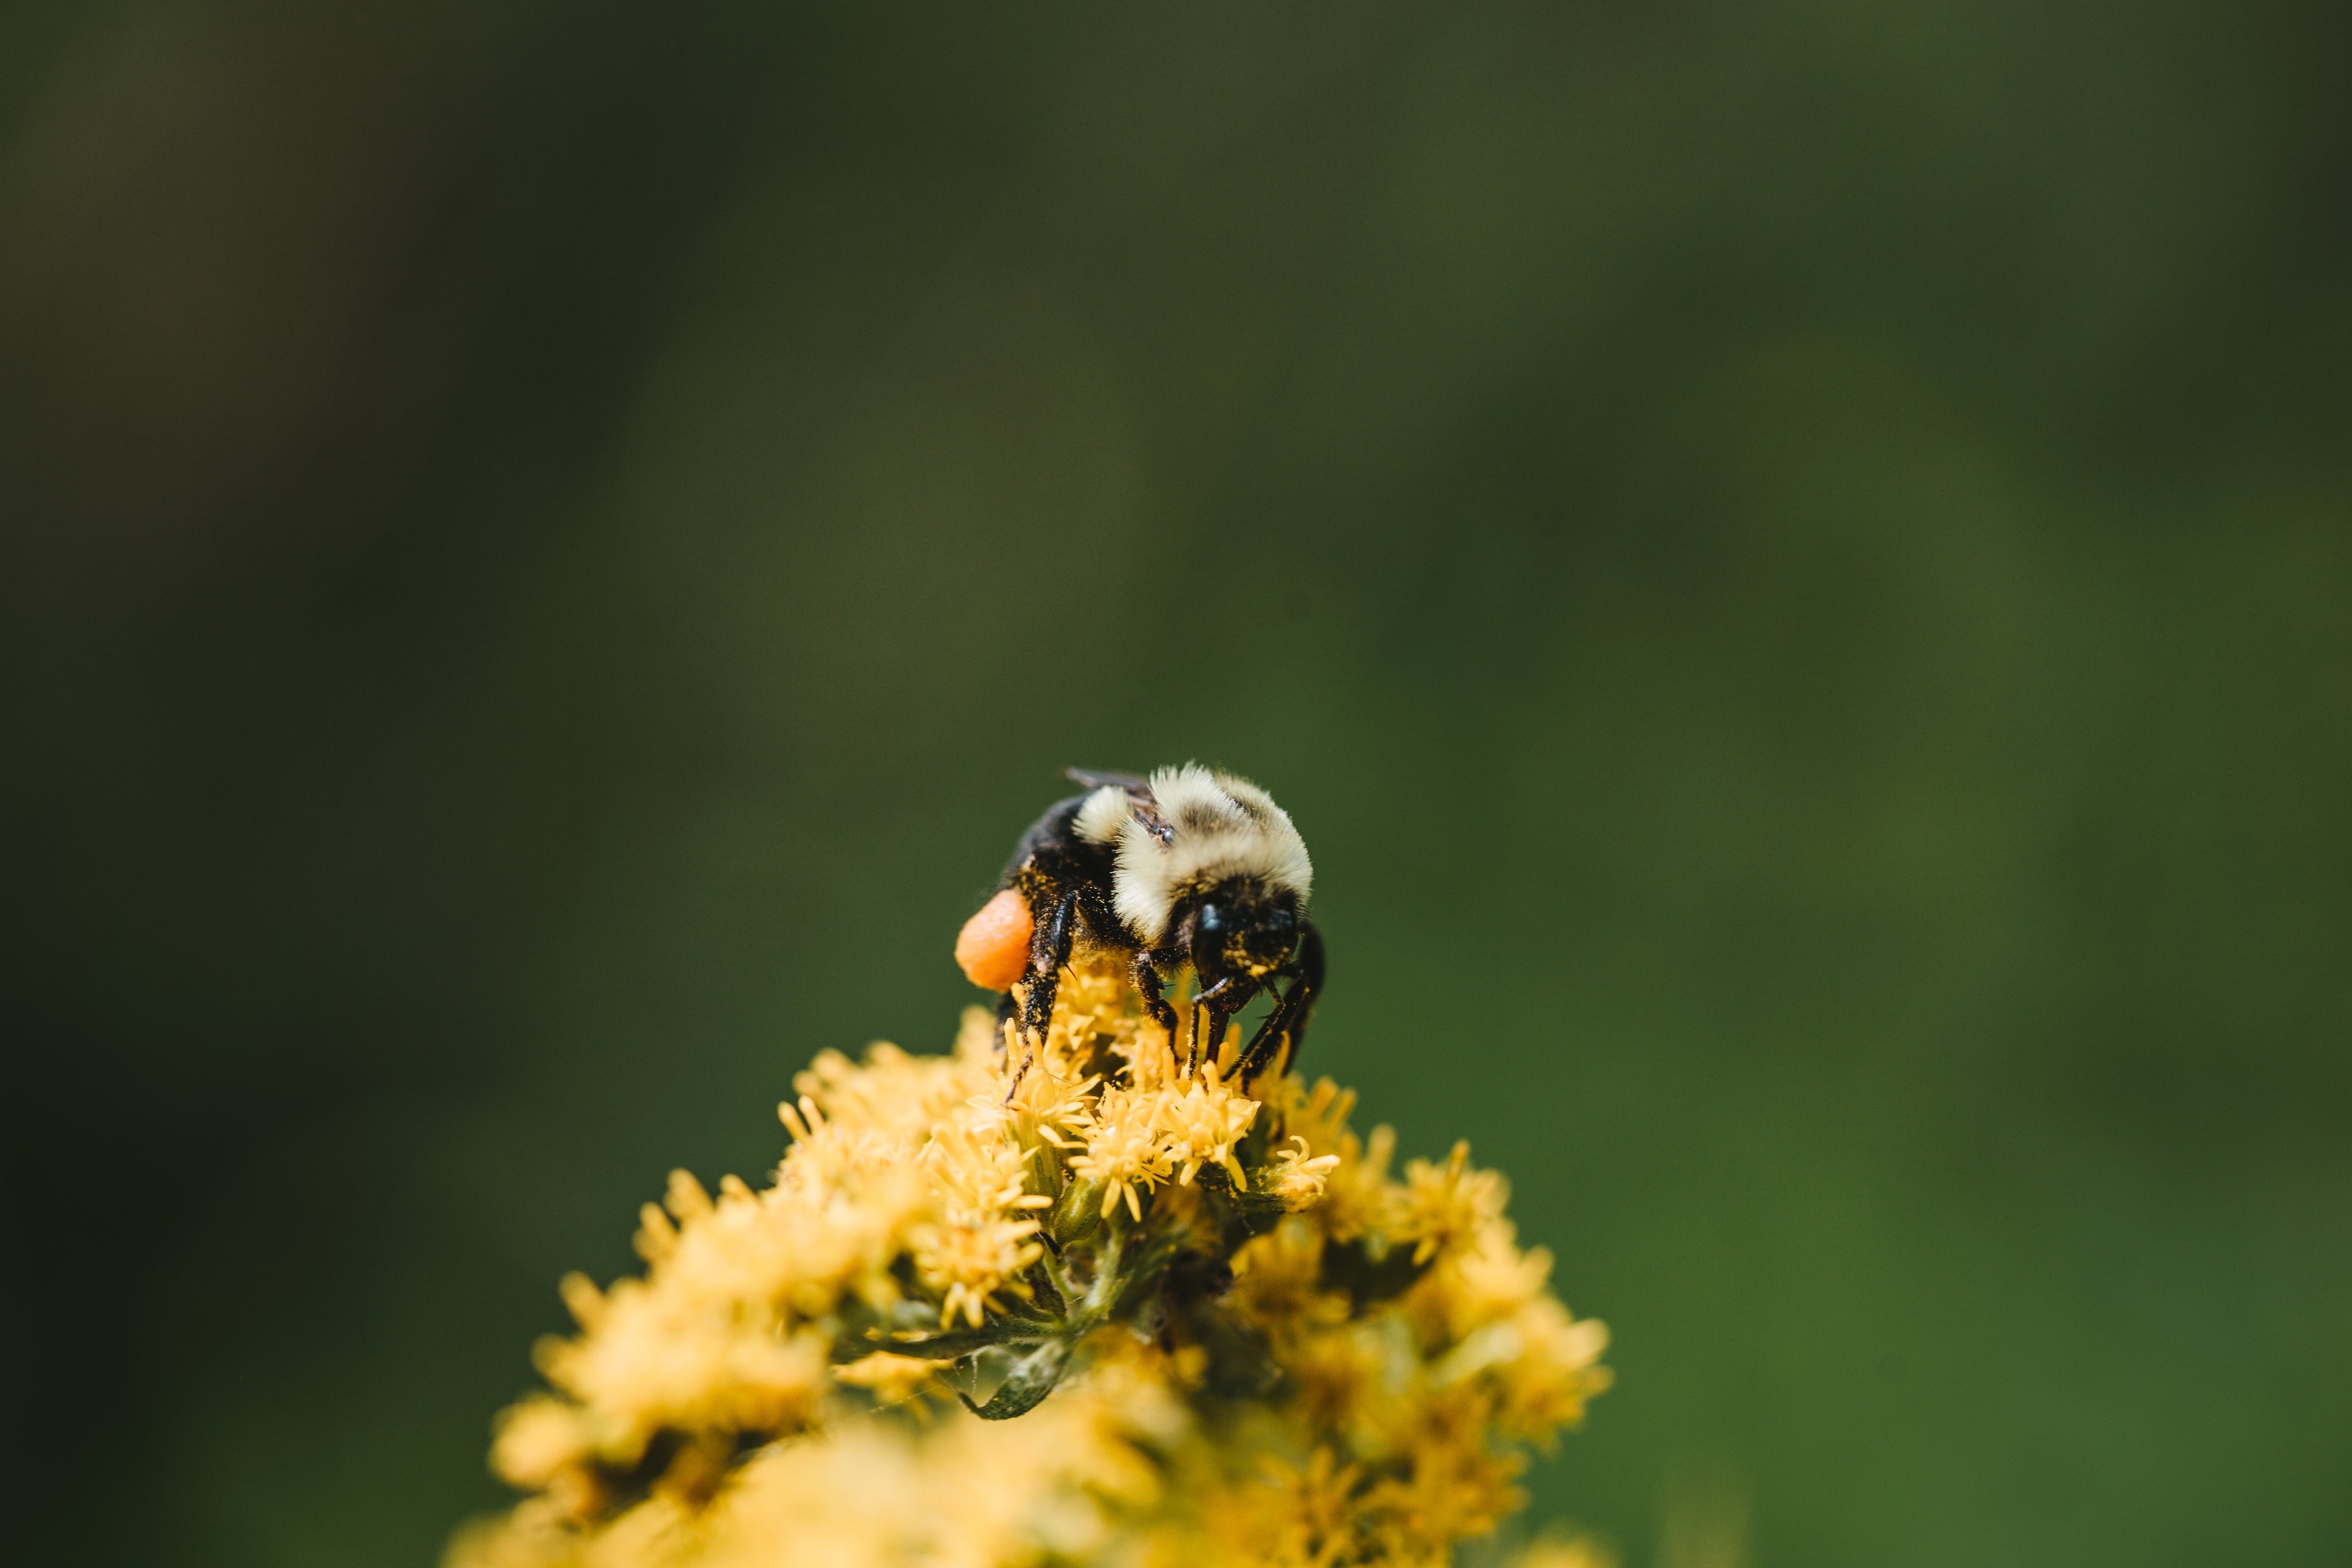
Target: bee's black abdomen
{"x": 1053, "y": 863}
{"x": 1052, "y": 848}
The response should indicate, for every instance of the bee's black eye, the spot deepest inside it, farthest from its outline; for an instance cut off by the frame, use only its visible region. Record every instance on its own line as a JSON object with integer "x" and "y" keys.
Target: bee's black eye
{"x": 1272, "y": 936}
{"x": 1209, "y": 933}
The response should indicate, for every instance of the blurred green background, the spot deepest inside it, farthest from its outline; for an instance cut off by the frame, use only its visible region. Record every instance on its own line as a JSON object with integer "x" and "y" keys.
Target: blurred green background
{"x": 1793, "y": 563}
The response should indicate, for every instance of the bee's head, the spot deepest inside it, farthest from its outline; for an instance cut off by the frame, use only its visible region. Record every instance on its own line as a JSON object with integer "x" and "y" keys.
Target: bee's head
{"x": 1243, "y": 931}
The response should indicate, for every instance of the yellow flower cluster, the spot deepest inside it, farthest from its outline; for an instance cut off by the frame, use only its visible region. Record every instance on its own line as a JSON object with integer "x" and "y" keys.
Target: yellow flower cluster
{"x": 1227, "y": 1334}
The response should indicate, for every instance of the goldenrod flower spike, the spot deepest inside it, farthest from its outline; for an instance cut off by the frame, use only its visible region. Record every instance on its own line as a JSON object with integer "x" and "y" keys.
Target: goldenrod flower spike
{"x": 1226, "y": 1333}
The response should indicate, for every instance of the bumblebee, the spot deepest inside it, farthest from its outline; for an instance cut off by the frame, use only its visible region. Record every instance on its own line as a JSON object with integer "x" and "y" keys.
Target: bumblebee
{"x": 1190, "y": 866}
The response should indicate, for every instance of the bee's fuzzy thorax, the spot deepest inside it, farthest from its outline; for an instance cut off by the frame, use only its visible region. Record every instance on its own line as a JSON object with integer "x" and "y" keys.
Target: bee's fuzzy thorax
{"x": 1211, "y": 825}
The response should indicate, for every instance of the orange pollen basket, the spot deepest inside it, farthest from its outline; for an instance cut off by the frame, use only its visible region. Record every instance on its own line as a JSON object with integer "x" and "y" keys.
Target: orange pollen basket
{"x": 993, "y": 947}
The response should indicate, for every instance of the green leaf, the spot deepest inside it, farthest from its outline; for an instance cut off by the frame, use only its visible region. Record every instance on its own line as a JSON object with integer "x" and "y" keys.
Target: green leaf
{"x": 1025, "y": 1386}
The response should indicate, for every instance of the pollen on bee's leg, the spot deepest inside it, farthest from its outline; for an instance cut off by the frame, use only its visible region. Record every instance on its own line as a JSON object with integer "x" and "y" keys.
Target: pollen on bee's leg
{"x": 993, "y": 949}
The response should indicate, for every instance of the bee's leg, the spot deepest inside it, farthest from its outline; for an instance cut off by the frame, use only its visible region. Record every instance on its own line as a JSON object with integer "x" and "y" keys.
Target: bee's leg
{"x": 1220, "y": 1021}
{"x": 1146, "y": 974}
{"x": 1209, "y": 1033}
{"x": 1049, "y": 951}
{"x": 1290, "y": 1014}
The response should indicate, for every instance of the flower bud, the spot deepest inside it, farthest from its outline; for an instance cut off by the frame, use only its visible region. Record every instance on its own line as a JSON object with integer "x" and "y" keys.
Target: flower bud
{"x": 1079, "y": 1211}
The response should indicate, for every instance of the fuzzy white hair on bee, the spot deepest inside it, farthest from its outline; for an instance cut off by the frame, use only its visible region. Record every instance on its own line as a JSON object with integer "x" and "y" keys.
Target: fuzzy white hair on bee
{"x": 1203, "y": 826}
{"x": 1106, "y": 811}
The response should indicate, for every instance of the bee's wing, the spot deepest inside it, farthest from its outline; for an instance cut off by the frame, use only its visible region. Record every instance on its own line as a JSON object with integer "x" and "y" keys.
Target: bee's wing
{"x": 1135, "y": 784}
